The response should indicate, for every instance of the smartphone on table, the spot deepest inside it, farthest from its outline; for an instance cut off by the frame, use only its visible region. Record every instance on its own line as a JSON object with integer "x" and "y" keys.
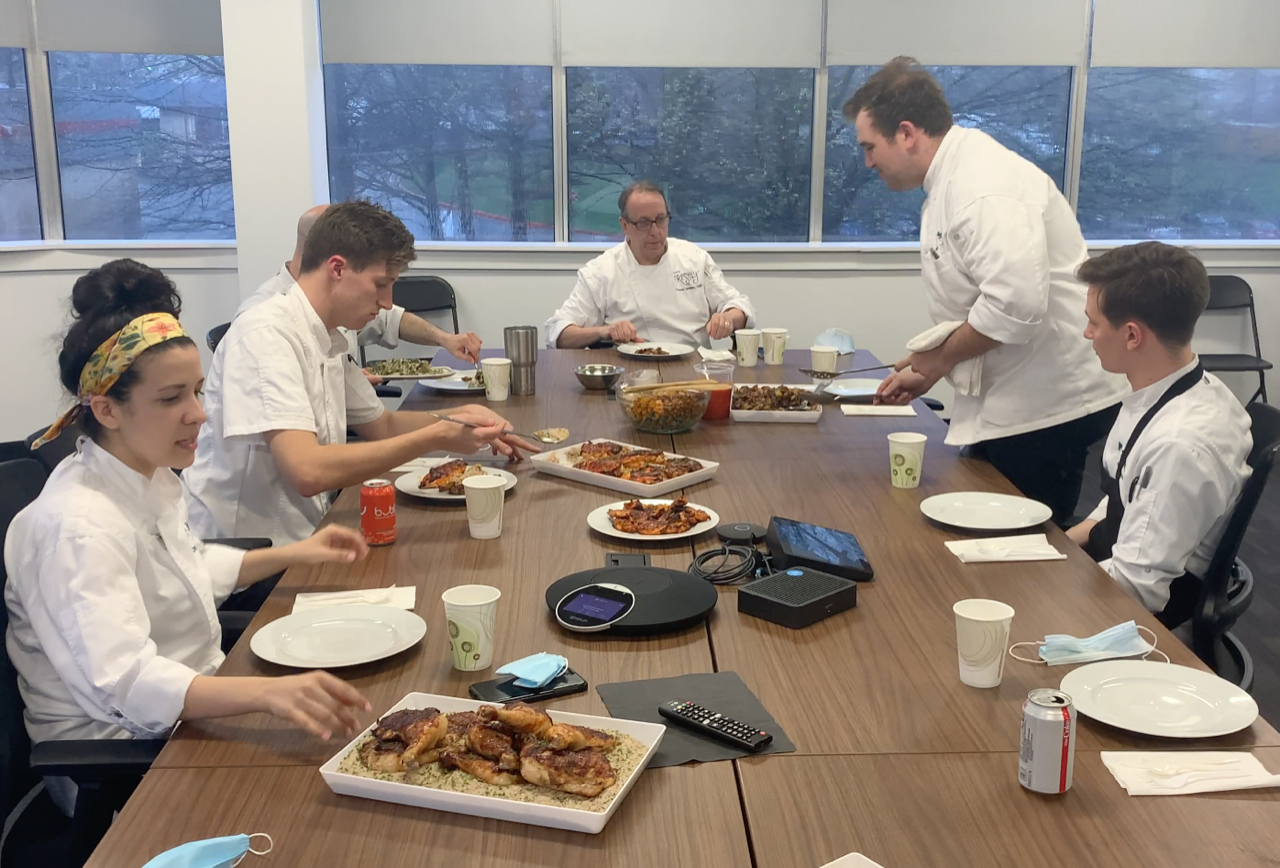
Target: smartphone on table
{"x": 504, "y": 689}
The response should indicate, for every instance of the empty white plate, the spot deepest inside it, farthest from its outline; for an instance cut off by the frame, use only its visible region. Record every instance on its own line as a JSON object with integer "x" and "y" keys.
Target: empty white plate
{"x": 1159, "y": 699}
{"x": 982, "y": 510}
{"x": 335, "y": 636}
{"x": 854, "y": 387}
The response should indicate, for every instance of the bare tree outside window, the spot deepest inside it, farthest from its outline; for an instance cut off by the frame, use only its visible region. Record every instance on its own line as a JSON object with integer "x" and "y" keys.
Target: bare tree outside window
{"x": 732, "y": 148}
{"x": 1025, "y": 108}
{"x": 143, "y": 150}
{"x": 1181, "y": 153}
{"x": 19, "y": 201}
{"x": 459, "y": 153}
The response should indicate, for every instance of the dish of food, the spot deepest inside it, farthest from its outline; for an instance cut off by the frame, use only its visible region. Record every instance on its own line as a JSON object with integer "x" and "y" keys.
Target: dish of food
{"x": 447, "y": 477}
{"x": 444, "y": 477}
{"x": 788, "y": 398}
{"x": 548, "y": 801}
{"x": 652, "y": 351}
{"x": 475, "y": 378}
{"x": 553, "y": 435}
{"x": 646, "y": 466}
{"x": 409, "y": 369}
{"x": 459, "y": 381}
{"x": 648, "y": 520}
{"x": 655, "y": 350}
{"x": 668, "y": 411}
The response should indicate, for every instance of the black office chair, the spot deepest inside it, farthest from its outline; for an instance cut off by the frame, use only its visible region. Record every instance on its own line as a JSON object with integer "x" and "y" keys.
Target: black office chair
{"x": 425, "y": 294}
{"x": 215, "y": 335}
{"x": 1228, "y": 583}
{"x": 55, "y": 451}
{"x": 1228, "y": 292}
{"x": 12, "y": 450}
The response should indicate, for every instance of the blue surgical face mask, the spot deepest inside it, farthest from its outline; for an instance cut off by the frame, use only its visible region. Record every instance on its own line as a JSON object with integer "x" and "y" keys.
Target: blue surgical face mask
{"x": 1122, "y": 640}
{"x": 210, "y": 853}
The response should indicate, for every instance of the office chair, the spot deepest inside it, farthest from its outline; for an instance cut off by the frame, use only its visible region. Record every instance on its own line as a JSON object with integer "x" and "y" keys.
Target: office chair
{"x": 1228, "y": 292}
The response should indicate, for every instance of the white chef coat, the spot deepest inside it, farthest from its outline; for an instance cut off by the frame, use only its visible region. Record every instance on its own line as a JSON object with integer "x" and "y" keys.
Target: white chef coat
{"x": 112, "y": 601}
{"x": 670, "y": 301}
{"x": 277, "y": 369}
{"x": 1190, "y": 466}
{"x": 383, "y": 329}
{"x": 999, "y": 247}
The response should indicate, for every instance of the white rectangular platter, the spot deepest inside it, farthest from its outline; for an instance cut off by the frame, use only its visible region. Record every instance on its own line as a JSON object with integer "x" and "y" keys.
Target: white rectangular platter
{"x": 550, "y": 816}
{"x": 795, "y": 416}
{"x": 559, "y": 463}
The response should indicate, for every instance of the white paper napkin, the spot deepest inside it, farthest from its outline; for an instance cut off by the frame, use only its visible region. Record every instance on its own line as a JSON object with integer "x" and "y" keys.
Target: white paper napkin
{"x": 876, "y": 410}
{"x": 853, "y": 860}
{"x": 401, "y": 598}
{"x": 1182, "y": 773}
{"x": 1026, "y": 547}
{"x": 716, "y": 355}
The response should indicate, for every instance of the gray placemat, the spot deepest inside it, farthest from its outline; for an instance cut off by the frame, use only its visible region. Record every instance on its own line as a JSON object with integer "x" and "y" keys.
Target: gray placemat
{"x": 724, "y": 692}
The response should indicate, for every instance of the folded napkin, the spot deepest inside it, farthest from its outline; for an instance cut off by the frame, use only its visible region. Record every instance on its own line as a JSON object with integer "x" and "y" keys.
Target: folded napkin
{"x": 1183, "y": 773}
{"x": 853, "y": 860}
{"x": 716, "y": 355}
{"x": 966, "y": 376}
{"x": 838, "y": 338}
{"x": 400, "y": 598}
{"x": 876, "y": 410}
{"x": 1025, "y": 547}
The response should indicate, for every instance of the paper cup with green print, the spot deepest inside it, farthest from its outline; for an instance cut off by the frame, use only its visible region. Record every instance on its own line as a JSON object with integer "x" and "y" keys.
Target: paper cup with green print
{"x": 470, "y": 613}
{"x": 906, "y": 459}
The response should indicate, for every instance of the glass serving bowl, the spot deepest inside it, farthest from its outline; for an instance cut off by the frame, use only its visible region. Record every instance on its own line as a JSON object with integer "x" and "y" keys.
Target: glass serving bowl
{"x": 669, "y": 411}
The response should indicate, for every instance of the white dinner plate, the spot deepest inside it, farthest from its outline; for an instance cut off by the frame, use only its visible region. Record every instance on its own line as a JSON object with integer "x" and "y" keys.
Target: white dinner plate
{"x": 333, "y": 636}
{"x": 1164, "y": 699}
{"x": 856, "y": 387}
{"x": 598, "y": 519}
{"x": 454, "y": 383}
{"x": 983, "y": 510}
{"x": 674, "y": 351}
{"x": 408, "y": 482}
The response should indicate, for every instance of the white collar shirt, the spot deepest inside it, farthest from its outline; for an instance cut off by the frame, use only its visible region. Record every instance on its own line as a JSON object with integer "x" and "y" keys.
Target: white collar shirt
{"x": 1190, "y": 467}
{"x": 112, "y": 601}
{"x": 999, "y": 247}
{"x": 383, "y": 330}
{"x": 277, "y": 369}
{"x": 669, "y": 301}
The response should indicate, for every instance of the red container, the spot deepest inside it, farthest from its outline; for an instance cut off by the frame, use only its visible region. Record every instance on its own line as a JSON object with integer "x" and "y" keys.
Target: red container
{"x": 378, "y": 512}
{"x": 718, "y": 406}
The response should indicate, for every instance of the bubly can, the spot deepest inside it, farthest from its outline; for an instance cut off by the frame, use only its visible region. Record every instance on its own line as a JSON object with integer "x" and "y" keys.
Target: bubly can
{"x": 378, "y": 512}
{"x": 1048, "y": 751}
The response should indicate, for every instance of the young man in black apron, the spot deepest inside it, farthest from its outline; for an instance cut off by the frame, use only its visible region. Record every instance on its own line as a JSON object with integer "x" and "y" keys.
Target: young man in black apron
{"x": 1174, "y": 463}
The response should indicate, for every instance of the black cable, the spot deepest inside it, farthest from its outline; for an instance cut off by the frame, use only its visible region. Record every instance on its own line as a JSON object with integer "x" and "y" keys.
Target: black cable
{"x": 733, "y": 564}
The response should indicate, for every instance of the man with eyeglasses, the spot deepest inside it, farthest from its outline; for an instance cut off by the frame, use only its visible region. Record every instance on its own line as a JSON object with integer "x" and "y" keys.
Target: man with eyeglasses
{"x": 650, "y": 287}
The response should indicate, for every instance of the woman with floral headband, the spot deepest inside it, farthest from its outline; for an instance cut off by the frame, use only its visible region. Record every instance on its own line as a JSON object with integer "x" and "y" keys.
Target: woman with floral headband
{"x": 113, "y": 623}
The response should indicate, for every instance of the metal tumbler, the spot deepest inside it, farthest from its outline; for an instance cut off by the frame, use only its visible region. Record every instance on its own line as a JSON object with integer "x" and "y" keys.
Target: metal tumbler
{"x": 521, "y": 346}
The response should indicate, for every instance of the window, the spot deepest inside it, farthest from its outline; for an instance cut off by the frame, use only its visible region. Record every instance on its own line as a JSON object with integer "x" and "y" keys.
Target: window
{"x": 732, "y": 148}
{"x": 1181, "y": 153}
{"x": 142, "y": 145}
{"x": 459, "y": 153}
{"x": 19, "y": 204}
{"x": 1025, "y": 108}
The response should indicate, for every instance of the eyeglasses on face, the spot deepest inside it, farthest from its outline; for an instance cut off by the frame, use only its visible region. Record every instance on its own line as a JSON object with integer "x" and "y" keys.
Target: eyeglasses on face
{"x": 644, "y": 224}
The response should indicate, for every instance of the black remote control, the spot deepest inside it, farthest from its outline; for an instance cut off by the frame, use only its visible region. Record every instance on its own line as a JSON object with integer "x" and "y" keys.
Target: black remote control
{"x": 708, "y": 722}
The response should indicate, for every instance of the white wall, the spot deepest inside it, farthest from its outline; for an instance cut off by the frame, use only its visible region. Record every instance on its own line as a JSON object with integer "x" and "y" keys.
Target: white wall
{"x": 876, "y": 295}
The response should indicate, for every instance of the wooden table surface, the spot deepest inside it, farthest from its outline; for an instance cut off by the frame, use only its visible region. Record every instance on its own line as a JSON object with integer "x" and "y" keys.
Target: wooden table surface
{"x": 895, "y": 757}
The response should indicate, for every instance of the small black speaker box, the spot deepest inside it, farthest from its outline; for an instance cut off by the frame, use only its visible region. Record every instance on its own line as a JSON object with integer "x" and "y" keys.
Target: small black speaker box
{"x": 797, "y": 597}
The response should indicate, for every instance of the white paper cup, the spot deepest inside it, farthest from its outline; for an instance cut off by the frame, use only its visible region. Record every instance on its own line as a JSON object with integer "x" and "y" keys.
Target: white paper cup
{"x": 823, "y": 359}
{"x": 748, "y": 346}
{"x": 484, "y": 505}
{"x": 497, "y": 378}
{"x": 775, "y": 343}
{"x": 906, "y": 459}
{"x": 470, "y": 613}
{"x": 982, "y": 638}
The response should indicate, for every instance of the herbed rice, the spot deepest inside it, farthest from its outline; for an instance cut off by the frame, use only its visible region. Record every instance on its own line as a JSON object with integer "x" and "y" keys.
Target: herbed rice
{"x": 625, "y": 756}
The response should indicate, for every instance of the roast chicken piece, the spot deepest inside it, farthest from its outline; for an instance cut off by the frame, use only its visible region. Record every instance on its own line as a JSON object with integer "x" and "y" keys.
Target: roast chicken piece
{"x": 478, "y": 767}
{"x": 520, "y": 716}
{"x": 566, "y": 736}
{"x": 600, "y": 449}
{"x": 530, "y": 721}
{"x": 448, "y": 477}
{"x": 656, "y": 518}
{"x": 491, "y": 742}
{"x": 405, "y": 739}
{"x": 581, "y": 772}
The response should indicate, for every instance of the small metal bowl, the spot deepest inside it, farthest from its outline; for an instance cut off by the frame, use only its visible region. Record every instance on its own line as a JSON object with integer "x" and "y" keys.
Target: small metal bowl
{"x": 599, "y": 376}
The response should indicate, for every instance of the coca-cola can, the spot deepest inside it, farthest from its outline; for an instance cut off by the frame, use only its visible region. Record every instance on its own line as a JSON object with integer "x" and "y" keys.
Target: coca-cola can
{"x": 1048, "y": 753}
{"x": 378, "y": 512}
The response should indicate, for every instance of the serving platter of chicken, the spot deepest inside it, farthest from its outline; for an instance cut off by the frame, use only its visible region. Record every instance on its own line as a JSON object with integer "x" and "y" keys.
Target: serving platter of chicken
{"x": 635, "y": 470}
{"x": 513, "y": 762}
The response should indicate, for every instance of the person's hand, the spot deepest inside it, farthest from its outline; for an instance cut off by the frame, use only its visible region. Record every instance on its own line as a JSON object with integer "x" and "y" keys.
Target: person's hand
{"x": 330, "y": 543}
{"x": 315, "y": 701}
{"x": 463, "y": 346}
{"x": 374, "y": 379}
{"x": 489, "y": 433}
{"x": 622, "y": 332}
{"x": 1079, "y": 534}
{"x": 902, "y": 387}
{"x": 721, "y": 324}
{"x": 933, "y": 365}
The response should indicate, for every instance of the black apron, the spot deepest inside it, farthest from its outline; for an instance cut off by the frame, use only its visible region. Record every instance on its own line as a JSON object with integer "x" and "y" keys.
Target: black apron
{"x": 1184, "y": 592}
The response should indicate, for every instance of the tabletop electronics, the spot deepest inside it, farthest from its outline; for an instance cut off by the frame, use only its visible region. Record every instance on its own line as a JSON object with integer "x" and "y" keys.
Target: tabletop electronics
{"x": 630, "y": 600}
{"x": 504, "y": 689}
{"x": 706, "y": 722}
{"x": 796, "y": 597}
{"x": 834, "y": 552}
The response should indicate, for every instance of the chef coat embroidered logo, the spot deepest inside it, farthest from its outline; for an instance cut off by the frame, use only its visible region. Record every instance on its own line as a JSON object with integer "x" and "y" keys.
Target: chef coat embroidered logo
{"x": 687, "y": 280}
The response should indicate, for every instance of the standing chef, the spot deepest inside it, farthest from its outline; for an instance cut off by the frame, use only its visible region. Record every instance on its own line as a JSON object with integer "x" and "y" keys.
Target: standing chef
{"x": 1000, "y": 247}
{"x": 650, "y": 287}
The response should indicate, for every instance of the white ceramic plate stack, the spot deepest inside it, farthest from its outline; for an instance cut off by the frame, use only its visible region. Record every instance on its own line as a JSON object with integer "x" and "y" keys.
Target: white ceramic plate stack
{"x": 494, "y": 807}
{"x": 983, "y": 510}
{"x": 408, "y": 482}
{"x": 334, "y": 636}
{"x": 598, "y": 520}
{"x": 674, "y": 351}
{"x": 1163, "y": 699}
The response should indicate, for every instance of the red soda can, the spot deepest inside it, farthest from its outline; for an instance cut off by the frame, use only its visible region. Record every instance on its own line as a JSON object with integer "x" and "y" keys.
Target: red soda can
{"x": 378, "y": 512}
